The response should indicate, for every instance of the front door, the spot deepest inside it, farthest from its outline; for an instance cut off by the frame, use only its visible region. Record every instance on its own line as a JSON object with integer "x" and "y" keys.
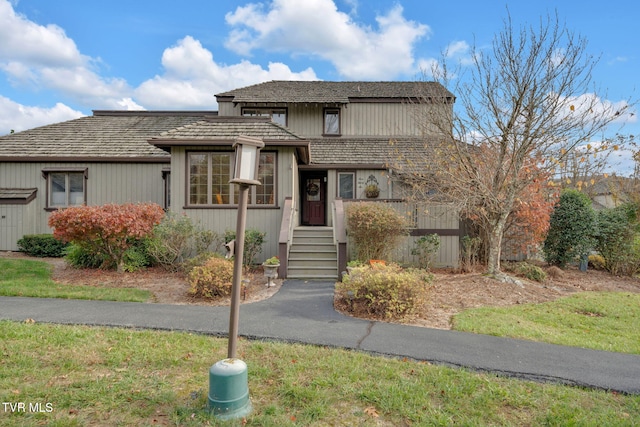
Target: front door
{"x": 314, "y": 190}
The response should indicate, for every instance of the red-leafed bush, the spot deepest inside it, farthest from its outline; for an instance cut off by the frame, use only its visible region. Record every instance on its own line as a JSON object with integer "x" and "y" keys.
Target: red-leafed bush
{"x": 107, "y": 230}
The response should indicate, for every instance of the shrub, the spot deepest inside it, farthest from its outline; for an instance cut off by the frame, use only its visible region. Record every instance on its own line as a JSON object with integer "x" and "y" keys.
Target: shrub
{"x": 80, "y": 257}
{"x": 42, "y": 245}
{"x": 107, "y": 230}
{"x": 597, "y": 262}
{"x": 555, "y": 272}
{"x": 213, "y": 279}
{"x": 426, "y": 247}
{"x": 253, "y": 241}
{"x": 470, "y": 251}
{"x": 571, "y": 229}
{"x": 177, "y": 239}
{"x": 197, "y": 261}
{"x": 375, "y": 229}
{"x": 530, "y": 271}
{"x": 617, "y": 239}
{"x": 136, "y": 258}
{"x": 385, "y": 291}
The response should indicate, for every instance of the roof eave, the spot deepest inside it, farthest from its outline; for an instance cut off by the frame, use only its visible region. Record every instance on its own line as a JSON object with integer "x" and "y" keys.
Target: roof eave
{"x": 303, "y": 147}
{"x": 88, "y": 159}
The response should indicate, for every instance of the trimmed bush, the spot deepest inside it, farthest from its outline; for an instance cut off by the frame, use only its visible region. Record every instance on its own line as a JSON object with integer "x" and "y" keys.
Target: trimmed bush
{"x": 108, "y": 230}
{"x": 385, "y": 292}
{"x": 571, "y": 229}
{"x": 375, "y": 229}
{"x": 42, "y": 245}
{"x": 213, "y": 279}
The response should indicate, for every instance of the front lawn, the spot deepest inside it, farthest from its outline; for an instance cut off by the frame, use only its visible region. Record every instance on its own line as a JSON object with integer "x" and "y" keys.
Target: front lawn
{"x": 31, "y": 278}
{"x": 598, "y": 320}
{"x": 79, "y": 375}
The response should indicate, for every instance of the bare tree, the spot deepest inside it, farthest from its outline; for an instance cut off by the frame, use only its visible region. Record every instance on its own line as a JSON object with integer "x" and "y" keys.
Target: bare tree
{"x": 527, "y": 102}
{"x": 585, "y": 166}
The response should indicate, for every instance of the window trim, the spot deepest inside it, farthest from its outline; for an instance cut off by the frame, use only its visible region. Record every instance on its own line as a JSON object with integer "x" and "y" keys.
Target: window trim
{"x": 46, "y": 174}
{"x": 166, "y": 185}
{"x": 324, "y": 121}
{"x": 233, "y": 188}
{"x": 353, "y": 175}
{"x": 269, "y": 110}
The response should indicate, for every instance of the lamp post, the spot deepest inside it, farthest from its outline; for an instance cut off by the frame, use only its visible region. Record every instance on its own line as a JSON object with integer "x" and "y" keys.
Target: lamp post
{"x": 228, "y": 381}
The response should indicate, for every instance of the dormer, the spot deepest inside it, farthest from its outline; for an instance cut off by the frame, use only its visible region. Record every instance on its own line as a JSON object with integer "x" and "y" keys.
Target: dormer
{"x": 337, "y": 109}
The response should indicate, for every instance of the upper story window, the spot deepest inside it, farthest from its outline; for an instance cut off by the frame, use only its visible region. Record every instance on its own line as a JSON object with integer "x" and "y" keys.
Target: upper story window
{"x": 66, "y": 187}
{"x": 210, "y": 173}
{"x": 331, "y": 121}
{"x": 278, "y": 115}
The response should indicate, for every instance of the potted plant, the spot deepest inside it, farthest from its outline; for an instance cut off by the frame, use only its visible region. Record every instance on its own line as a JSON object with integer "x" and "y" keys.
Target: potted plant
{"x": 372, "y": 191}
{"x": 271, "y": 269}
{"x": 354, "y": 264}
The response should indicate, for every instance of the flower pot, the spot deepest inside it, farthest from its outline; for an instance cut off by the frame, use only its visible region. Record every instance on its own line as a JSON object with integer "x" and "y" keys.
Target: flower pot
{"x": 271, "y": 270}
{"x": 371, "y": 191}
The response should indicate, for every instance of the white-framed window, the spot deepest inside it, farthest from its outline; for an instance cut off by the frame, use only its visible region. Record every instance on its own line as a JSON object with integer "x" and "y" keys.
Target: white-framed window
{"x": 346, "y": 185}
{"x": 331, "y": 121}
{"x": 66, "y": 187}
{"x": 209, "y": 174}
{"x": 278, "y": 115}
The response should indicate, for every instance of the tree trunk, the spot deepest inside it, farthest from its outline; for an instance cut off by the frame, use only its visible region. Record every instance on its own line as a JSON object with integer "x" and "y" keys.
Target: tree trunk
{"x": 120, "y": 267}
{"x": 495, "y": 246}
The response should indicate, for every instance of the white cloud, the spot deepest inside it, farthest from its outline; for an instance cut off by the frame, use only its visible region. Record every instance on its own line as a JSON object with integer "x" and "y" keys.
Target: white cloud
{"x": 129, "y": 104}
{"x": 593, "y": 107}
{"x": 20, "y": 117}
{"x": 191, "y": 77}
{"x": 32, "y": 44}
{"x": 318, "y": 29}
{"x": 43, "y": 57}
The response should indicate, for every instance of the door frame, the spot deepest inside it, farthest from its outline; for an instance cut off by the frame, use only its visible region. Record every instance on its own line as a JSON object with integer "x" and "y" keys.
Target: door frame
{"x": 304, "y": 176}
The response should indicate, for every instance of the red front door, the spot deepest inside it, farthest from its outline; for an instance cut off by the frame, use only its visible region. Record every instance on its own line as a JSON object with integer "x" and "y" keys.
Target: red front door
{"x": 313, "y": 199}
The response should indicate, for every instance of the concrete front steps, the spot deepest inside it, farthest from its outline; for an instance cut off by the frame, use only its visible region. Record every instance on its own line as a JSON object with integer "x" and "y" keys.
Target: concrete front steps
{"x": 313, "y": 254}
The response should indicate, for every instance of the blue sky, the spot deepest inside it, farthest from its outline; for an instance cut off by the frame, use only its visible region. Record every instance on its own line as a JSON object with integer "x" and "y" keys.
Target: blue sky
{"x": 61, "y": 59}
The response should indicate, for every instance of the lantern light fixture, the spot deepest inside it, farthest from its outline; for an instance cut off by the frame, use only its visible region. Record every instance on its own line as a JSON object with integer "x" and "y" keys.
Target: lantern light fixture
{"x": 247, "y": 160}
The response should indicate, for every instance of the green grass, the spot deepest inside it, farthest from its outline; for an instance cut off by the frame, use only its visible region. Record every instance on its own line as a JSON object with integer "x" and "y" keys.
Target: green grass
{"x": 29, "y": 278}
{"x": 103, "y": 376}
{"x": 598, "y": 320}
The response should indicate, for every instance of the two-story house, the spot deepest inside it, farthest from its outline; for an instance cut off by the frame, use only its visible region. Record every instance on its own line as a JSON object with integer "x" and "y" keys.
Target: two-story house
{"x": 325, "y": 143}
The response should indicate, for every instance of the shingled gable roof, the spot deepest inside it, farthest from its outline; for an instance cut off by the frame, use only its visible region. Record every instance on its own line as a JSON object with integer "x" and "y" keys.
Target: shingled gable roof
{"x": 112, "y": 136}
{"x": 279, "y": 91}
{"x": 367, "y": 152}
{"x": 223, "y": 131}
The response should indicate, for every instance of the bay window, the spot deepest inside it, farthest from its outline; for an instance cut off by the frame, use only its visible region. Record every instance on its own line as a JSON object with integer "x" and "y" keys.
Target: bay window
{"x": 209, "y": 175}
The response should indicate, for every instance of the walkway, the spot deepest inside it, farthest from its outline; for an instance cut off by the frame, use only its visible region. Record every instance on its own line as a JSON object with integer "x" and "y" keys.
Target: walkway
{"x": 303, "y": 312}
